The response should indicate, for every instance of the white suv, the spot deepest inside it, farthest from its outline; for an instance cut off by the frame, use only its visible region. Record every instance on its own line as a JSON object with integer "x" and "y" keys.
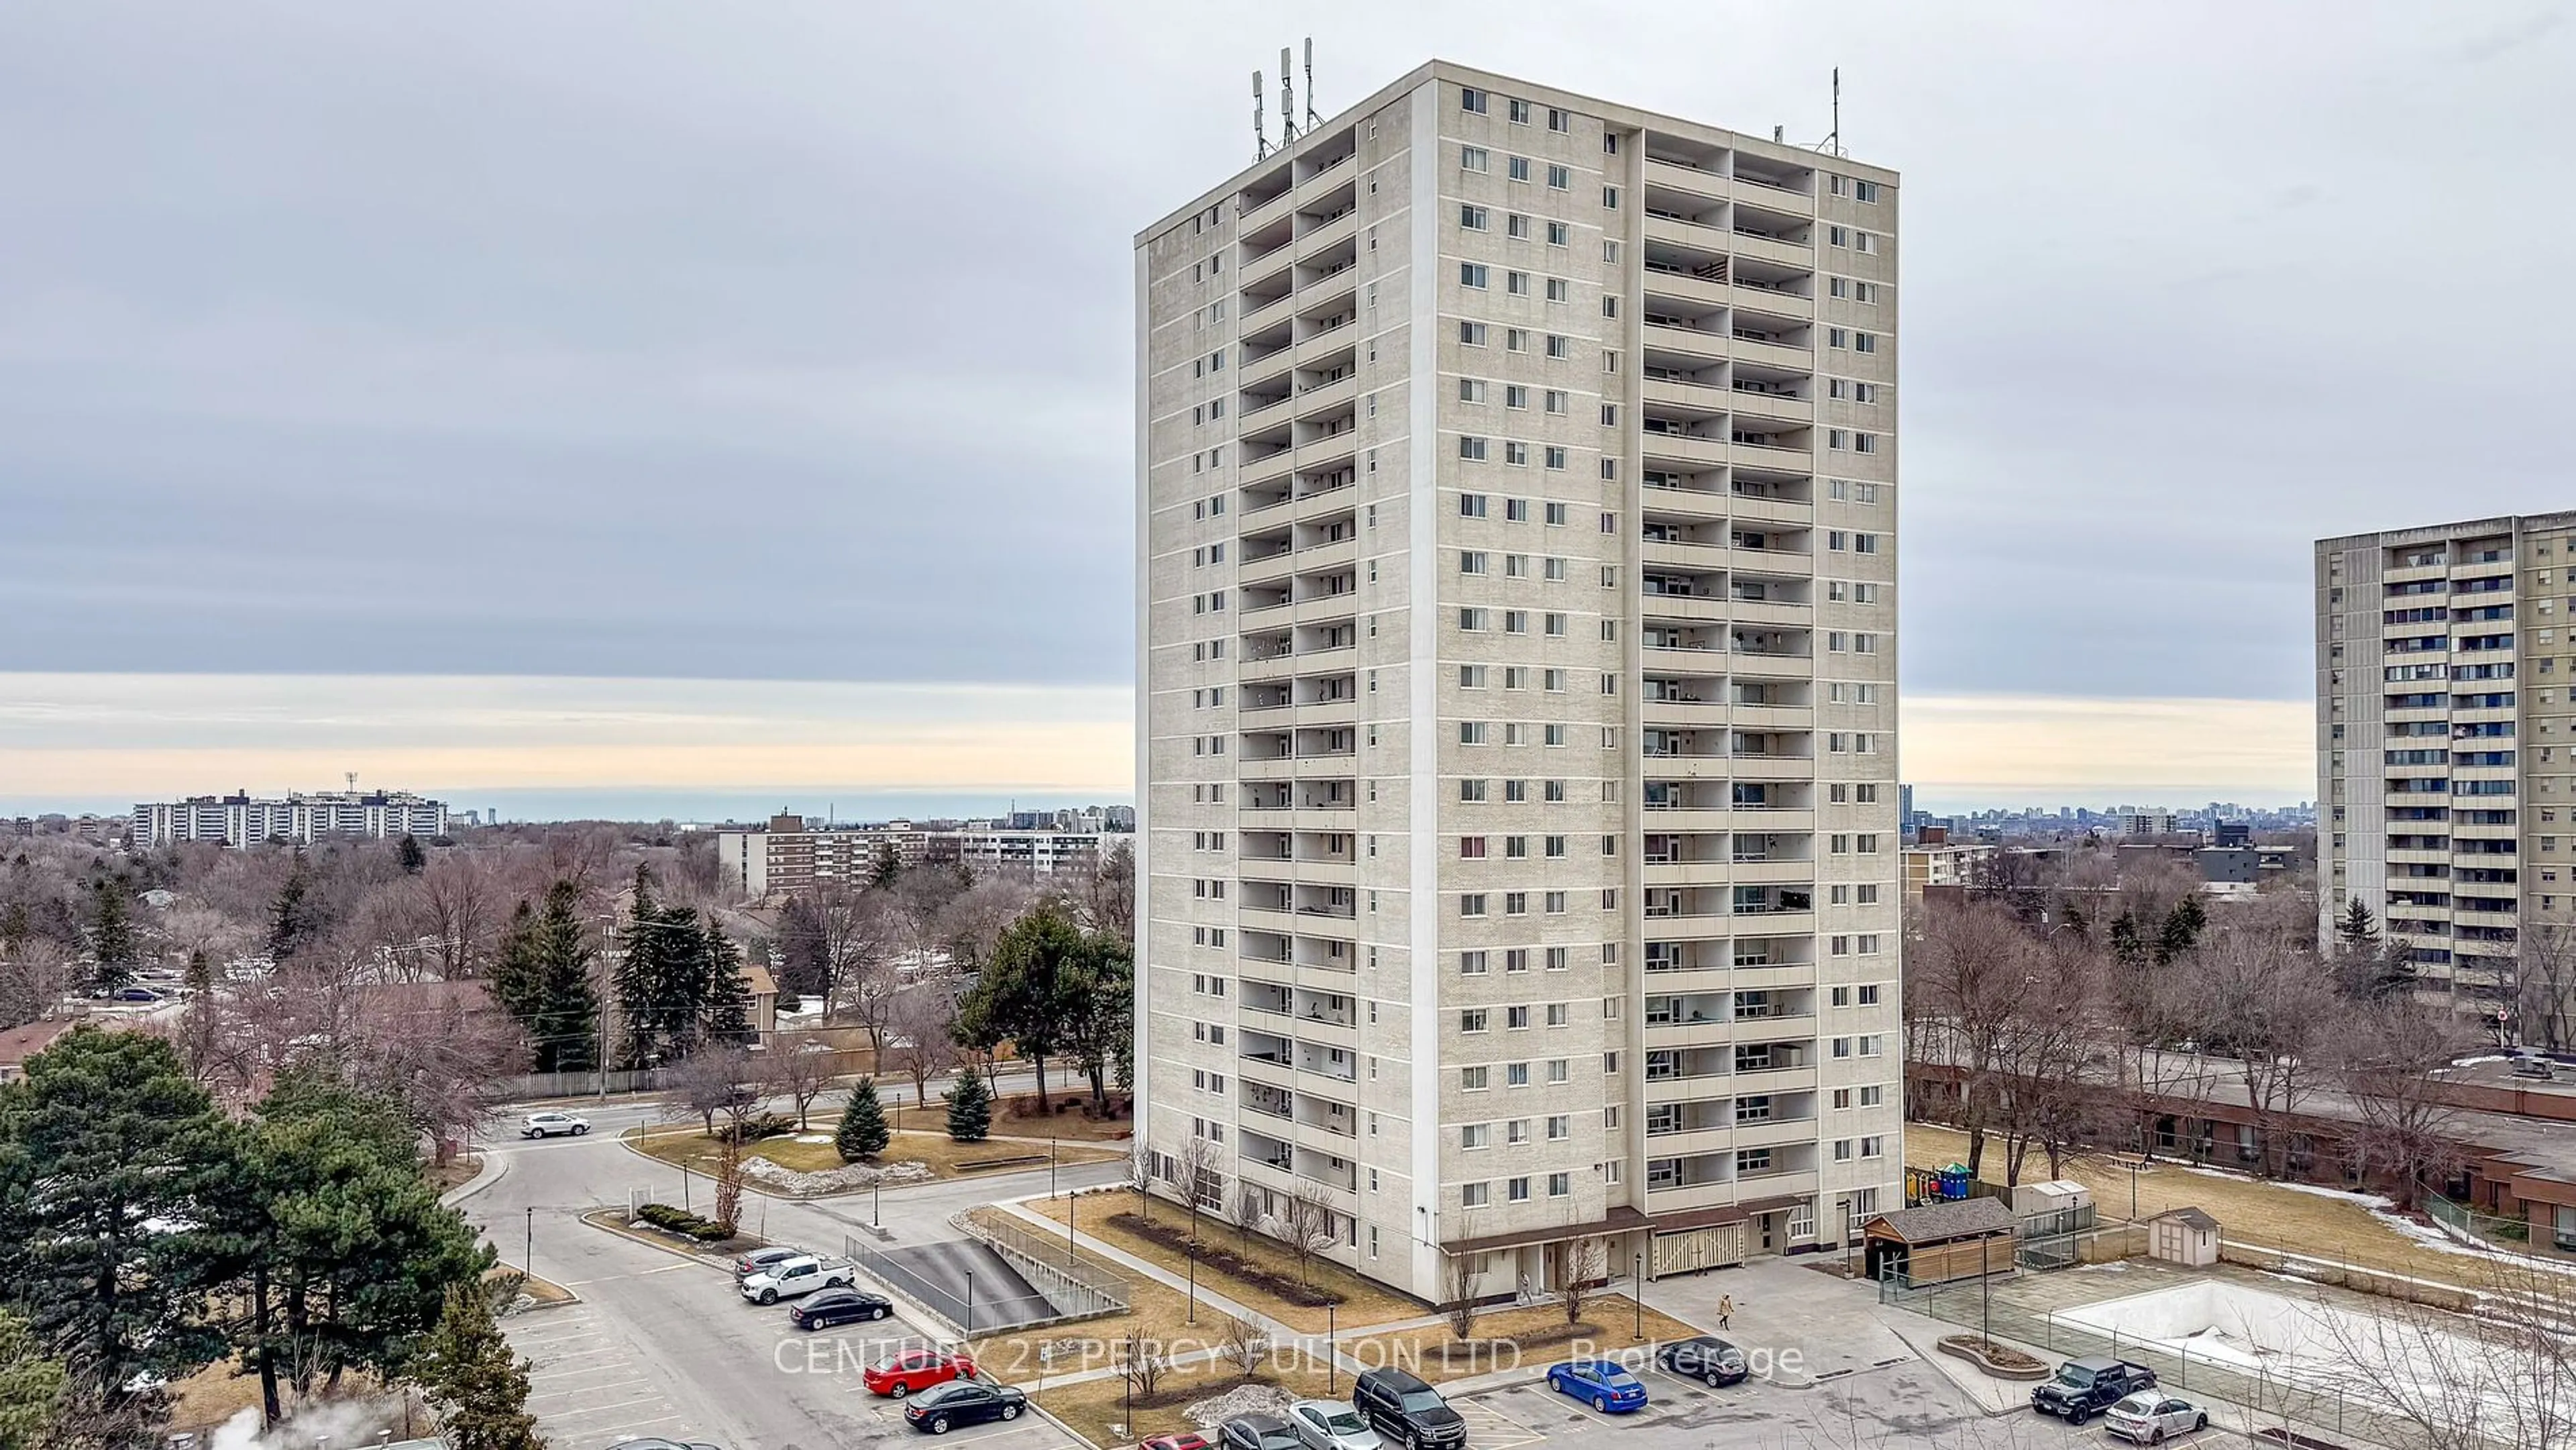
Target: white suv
{"x": 546, "y": 1125}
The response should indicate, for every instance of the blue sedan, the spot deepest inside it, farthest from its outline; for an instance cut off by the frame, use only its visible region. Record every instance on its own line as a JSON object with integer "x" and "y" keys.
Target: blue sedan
{"x": 1600, "y": 1383}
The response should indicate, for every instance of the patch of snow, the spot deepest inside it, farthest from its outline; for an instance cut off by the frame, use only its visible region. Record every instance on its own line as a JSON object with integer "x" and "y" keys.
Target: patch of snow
{"x": 1209, "y": 1413}
{"x": 2116, "y": 1266}
{"x": 813, "y": 1137}
{"x": 2319, "y": 1190}
{"x": 2432, "y": 1236}
{"x": 2479, "y": 1061}
{"x": 832, "y": 1180}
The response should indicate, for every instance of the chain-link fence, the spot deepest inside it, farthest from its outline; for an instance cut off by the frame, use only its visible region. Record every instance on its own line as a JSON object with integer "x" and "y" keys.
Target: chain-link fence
{"x": 2269, "y": 1400}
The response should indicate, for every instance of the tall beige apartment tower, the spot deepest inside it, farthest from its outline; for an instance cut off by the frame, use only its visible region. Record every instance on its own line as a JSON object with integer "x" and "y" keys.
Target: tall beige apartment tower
{"x": 2446, "y": 799}
{"x": 1516, "y": 630}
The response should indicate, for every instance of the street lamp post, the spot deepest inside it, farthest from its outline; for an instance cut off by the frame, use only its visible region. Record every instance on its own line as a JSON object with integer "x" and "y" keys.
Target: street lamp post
{"x": 1194, "y": 1283}
{"x": 970, "y": 1303}
{"x": 528, "y": 1257}
{"x": 1638, "y": 1297}
{"x": 1332, "y": 1356}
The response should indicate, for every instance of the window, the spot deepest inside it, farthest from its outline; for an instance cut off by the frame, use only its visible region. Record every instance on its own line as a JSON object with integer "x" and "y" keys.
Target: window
{"x": 1473, "y": 1079}
{"x": 1471, "y": 390}
{"x": 1517, "y": 112}
{"x": 1516, "y": 284}
{"x": 1471, "y": 274}
{"x": 1474, "y": 1135}
{"x": 1555, "y": 458}
{"x": 1516, "y": 454}
{"x": 1471, "y": 732}
{"x": 1559, "y": 346}
{"x": 1472, "y": 158}
{"x": 1517, "y": 168}
{"x": 1560, "y": 178}
{"x": 1471, "y": 99}
{"x": 1471, "y": 964}
{"x": 1471, "y": 848}
{"x": 1553, "y": 400}
{"x": 1474, "y": 1020}
{"x": 1472, "y": 218}
{"x": 1517, "y": 1190}
{"x": 1516, "y": 1019}
{"x": 1517, "y": 226}
{"x": 1516, "y": 395}
{"x": 1471, "y": 505}
{"x": 1472, "y": 561}
{"x": 1471, "y": 792}
{"x": 1559, "y": 234}
{"x": 1560, "y": 290}
{"x": 1515, "y": 339}
{"x": 1610, "y": 198}
{"x": 1471, "y": 334}
{"x": 1471, "y": 448}
{"x": 1475, "y": 1195}
{"x": 1558, "y": 120}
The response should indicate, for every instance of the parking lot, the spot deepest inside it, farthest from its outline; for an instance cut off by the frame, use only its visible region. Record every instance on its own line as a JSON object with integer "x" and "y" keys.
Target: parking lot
{"x": 1911, "y": 1404}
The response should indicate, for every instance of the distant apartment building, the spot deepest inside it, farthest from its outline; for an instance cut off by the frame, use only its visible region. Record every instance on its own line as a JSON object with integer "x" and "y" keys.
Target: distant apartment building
{"x": 2142, "y": 823}
{"x": 1936, "y": 862}
{"x": 790, "y": 855}
{"x": 1516, "y": 535}
{"x": 2447, "y": 804}
{"x": 242, "y": 819}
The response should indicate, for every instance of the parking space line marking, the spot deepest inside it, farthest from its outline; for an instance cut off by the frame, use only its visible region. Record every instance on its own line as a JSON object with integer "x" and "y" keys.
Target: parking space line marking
{"x": 630, "y": 1425}
{"x": 617, "y": 1405}
{"x": 586, "y": 1389}
{"x": 555, "y": 1371}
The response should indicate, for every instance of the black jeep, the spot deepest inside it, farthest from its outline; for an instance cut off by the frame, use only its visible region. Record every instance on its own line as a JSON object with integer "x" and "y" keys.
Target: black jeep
{"x": 2086, "y": 1387}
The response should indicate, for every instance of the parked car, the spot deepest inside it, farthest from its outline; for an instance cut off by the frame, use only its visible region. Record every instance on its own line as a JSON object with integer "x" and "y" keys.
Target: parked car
{"x": 838, "y": 1306}
{"x": 1174, "y": 1442}
{"x": 1404, "y": 1408}
{"x": 789, "y": 1278}
{"x": 963, "y": 1402}
{"x": 2083, "y": 1388}
{"x": 2533, "y": 1067}
{"x": 1603, "y": 1384}
{"x": 2146, "y": 1419}
{"x": 137, "y": 994}
{"x": 1258, "y": 1432}
{"x": 761, "y": 1260}
{"x": 1710, "y": 1360}
{"x": 1331, "y": 1425}
{"x": 546, "y": 1125}
{"x": 915, "y": 1370}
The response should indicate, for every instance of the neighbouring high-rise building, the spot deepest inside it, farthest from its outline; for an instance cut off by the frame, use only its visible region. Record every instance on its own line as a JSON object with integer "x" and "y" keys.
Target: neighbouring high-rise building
{"x": 2445, "y": 803}
{"x": 1516, "y": 567}
{"x": 242, "y": 819}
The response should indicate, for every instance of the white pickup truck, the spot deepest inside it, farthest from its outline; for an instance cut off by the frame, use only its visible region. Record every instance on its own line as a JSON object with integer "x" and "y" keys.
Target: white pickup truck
{"x": 790, "y": 1277}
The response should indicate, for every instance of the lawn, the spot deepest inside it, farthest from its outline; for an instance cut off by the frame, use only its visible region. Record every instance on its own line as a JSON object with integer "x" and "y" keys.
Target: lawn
{"x": 2248, "y": 1210}
{"x": 690, "y": 1148}
{"x": 1363, "y": 1303}
{"x": 1098, "y": 1409}
{"x": 1013, "y": 1117}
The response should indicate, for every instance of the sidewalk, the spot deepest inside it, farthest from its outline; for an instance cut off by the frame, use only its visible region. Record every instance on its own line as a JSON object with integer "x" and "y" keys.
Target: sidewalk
{"x": 1810, "y": 1325}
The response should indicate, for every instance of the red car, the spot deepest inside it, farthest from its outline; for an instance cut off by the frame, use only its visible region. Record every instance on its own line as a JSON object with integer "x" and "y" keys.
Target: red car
{"x": 1175, "y": 1442}
{"x": 915, "y": 1369}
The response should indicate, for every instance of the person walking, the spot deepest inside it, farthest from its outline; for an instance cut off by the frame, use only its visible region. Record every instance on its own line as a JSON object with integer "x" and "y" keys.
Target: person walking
{"x": 1725, "y": 1310}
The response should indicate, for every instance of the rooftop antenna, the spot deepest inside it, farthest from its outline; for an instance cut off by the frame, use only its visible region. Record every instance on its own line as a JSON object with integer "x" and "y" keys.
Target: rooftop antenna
{"x": 1834, "y": 143}
{"x": 1287, "y": 104}
{"x": 1260, "y": 135}
{"x": 1312, "y": 120}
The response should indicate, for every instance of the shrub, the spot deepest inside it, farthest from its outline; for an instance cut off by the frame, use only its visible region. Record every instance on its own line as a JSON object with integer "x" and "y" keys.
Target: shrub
{"x": 674, "y": 1219}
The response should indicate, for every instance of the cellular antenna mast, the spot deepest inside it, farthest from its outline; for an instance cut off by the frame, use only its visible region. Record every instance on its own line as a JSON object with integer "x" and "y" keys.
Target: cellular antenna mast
{"x": 1287, "y": 104}
{"x": 1312, "y": 120}
{"x": 1834, "y": 142}
{"x": 1260, "y": 135}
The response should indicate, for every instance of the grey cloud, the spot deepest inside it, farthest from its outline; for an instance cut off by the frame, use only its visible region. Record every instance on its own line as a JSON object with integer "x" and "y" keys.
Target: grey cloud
{"x": 626, "y": 339}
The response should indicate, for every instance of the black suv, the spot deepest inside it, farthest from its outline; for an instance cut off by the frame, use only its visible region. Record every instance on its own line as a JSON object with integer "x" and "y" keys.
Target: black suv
{"x": 1408, "y": 1411}
{"x": 1708, "y": 1359}
{"x": 2085, "y": 1387}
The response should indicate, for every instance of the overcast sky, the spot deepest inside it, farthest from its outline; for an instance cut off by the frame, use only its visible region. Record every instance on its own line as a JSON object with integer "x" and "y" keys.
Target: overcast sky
{"x": 792, "y": 343}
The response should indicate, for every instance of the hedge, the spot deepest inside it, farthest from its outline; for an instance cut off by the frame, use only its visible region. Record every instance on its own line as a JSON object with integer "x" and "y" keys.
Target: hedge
{"x": 680, "y": 1221}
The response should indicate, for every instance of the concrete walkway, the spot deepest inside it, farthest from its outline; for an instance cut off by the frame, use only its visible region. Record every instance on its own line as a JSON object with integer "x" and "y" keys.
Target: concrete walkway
{"x": 1811, "y": 1327}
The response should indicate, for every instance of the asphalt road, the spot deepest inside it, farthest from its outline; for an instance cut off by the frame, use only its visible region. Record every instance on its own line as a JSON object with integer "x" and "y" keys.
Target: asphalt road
{"x": 661, "y": 1345}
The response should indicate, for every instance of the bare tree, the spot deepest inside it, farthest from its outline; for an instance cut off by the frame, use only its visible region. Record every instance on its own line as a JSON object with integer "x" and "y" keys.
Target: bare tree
{"x": 1584, "y": 1264}
{"x": 1141, "y": 1363}
{"x": 715, "y": 1082}
{"x": 1458, "y": 1272}
{"x": 1141, "y": 1165}
{"x": 919, "y": 1038}
{"x": 1246, "y": 1345}
{"x": 802, "y": 1070}
{"x": 457, "y": 903}
{"x": 2503, "y": 1376}
{"x": 2267, "y": 1001}
{"x": 2544, "y": 999}
{"x": 2407, "y": 1136}
{"x": 1306, "y": 1226}
{"x": 728, "y": 1214}
{"x": 1251, "y": 1206}
{"x": 1963, "y": 1000}
{"x": 34, "y": 978}
{"x": 1194, "y": 1176}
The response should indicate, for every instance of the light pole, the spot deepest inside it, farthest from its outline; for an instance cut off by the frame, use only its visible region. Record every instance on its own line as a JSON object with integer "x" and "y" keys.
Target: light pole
{"x": 1638, "y": 1297}
{"x": 528, "y": 1256}
{"x": 970, "y": 1303}
{"x": 1332, "y": 1356}
{"x": 1051, "y": 1173}
{"x": 1194, "y": 1284}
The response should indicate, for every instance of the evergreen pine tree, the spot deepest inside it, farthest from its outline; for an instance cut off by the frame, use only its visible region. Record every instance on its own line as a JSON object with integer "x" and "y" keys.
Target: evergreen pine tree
{"x": 863, "y": 1131}
{"x": 887, "y": 870}
{"x": 2357, "y": 929}
{"x": 970, "y": 1108}
{"x": 290, "y": 920}
{"x": 640, "y": 979}
{"x": 728, "y": 995}
{"x": 414, "y": 859}
{"x": 564, "y": 1022}
{"x": 111, "y": 932}
{"x": 478, "y": 1386}
{"x": 2181, "y": 931}
{"x": 513, "y": 978}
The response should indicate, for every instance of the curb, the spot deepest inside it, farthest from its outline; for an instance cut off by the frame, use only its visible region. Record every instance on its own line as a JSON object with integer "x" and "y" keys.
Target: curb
{"x": 593, "y": 1219}
{"x": 495, "y": 1168}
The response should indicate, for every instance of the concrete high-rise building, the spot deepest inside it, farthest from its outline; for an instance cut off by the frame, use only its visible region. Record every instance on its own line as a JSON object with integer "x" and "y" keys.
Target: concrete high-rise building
{"x": 2445, "y": 797}
{"x": 1516, "y": 561}
{"x": 242, "y": 819}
